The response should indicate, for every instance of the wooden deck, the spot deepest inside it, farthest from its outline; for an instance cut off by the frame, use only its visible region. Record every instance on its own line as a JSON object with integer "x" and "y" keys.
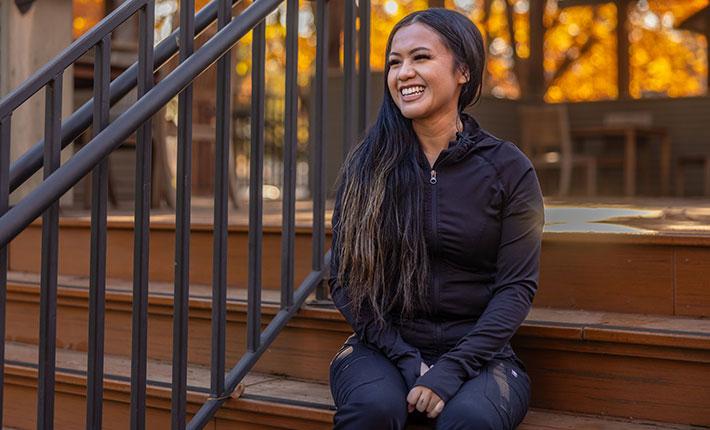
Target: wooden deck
{"x": 649, "y": 216}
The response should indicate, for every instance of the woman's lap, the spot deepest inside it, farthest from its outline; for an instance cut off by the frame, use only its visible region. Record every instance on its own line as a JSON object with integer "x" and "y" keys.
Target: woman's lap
{"x": 369, "y": 392}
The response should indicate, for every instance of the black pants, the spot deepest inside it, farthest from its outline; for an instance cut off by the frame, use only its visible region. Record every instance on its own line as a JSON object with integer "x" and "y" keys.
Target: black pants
{"x": 370, "y": 394}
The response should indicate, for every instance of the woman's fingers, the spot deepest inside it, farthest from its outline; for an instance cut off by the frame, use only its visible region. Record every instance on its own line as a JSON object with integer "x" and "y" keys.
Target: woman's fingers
{"x": 433, "y": 401}
{"x": 423, "y": 401}
{"x": 413, "y": 395}
{"x": 412, "y": 398}
{"x": 437, "y": 409}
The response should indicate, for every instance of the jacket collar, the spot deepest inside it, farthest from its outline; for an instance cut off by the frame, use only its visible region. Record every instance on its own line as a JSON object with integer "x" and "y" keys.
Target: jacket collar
{"x": 464, "y": 143}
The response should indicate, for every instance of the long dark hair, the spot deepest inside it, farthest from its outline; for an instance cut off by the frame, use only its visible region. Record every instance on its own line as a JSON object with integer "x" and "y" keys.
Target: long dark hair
{"x": 381, "y": 246}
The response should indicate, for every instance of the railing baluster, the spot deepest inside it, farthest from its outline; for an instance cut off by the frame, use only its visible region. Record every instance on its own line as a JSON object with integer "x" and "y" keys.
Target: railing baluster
{"x": 318, "y": 190}
{"x": 50, "y": 241}
{"x": 4, "y": 204}
{"x": 182, "y": 225}
{"x": 290, "y": 145}
{"x": 221, "y": 206}
{"x": 139, "y": 334}
{"x": 348, "y": 77}
{"x": 97, "y": 286}
{"x": 256, "y": 177}
{"x": 364, "y": 75}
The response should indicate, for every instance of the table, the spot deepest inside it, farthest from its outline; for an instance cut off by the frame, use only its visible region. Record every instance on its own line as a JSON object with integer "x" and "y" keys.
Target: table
{"x": 631, "y": 134}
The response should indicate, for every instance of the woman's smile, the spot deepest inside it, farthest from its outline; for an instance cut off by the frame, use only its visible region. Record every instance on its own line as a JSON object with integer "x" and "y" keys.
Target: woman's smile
{"x": 412, "y": 93}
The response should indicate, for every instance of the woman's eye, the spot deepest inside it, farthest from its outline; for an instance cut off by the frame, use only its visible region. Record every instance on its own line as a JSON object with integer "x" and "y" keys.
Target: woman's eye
{"x": 417, "y": 57}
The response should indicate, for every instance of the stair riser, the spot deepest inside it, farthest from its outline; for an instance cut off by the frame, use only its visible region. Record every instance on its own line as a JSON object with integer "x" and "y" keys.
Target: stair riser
{"x": 70, "y": 407}
{"x": 591, "y": 376}
{"x": 578, "y": 271}
{"x": 74, "y": 253}
{"x": 299, "y": 351}
{"x": 644, "y": 278}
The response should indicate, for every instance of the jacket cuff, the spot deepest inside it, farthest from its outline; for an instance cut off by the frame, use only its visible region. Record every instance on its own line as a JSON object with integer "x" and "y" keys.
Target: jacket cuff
{"x": 444, "y": 378}
{"x": 410, "y": 368}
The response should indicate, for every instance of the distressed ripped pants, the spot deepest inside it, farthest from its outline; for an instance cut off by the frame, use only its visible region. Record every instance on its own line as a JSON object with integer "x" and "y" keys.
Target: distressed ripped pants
{"x": 370, "y": 394}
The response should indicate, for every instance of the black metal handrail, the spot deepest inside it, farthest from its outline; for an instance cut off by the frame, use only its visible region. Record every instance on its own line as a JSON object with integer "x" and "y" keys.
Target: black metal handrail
{"x": 44, "y": 199}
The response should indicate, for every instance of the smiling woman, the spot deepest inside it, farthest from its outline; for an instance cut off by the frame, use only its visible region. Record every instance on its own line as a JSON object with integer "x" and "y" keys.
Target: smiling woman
{"x": 437, "y": 229}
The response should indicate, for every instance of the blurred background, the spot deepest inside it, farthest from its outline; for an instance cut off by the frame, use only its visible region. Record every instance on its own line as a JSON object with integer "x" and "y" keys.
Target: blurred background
{"x": 608, "y": 98}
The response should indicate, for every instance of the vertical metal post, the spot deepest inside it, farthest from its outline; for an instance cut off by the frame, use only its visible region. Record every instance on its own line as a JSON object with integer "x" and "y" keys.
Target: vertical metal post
{"x": 290, "y": 145}
{"x": 50, "y": 242}
{"x": 139, "y": 332}
{"x": 256, "y": 176}
{"x": 182, "y": 225}
{"x": 349, "y": 77}
{"x": 318, "y": 190}
{"x": 4, "y": 206}
{"x": 97, "y": 281}
{"x": 221, "y": 206}
{"x": 364, "y": 75}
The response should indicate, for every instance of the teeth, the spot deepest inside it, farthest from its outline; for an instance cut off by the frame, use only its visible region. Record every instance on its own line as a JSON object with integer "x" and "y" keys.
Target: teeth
{"x": 412, "y": 90}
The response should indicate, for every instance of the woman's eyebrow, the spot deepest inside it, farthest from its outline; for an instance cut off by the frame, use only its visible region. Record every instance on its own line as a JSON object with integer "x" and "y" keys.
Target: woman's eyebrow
{"x": 418, "y": 48}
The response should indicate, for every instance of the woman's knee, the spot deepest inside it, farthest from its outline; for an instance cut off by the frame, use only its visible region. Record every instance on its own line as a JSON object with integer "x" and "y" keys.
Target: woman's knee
{"x": 461, "y": 416}
{"x": 374, "y": 409}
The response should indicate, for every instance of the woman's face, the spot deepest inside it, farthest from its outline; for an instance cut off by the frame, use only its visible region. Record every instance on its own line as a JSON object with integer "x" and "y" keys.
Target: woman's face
{"x": 423, "y": 67}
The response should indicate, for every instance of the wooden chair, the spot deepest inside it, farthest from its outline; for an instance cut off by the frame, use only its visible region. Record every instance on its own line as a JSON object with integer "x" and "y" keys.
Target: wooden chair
{"x": 546, "y": 140}
{"x": 687, "y": 160}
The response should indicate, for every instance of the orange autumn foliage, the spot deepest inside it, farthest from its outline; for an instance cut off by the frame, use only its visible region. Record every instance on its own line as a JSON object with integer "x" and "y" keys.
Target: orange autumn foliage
{"x": 579, "y": 53}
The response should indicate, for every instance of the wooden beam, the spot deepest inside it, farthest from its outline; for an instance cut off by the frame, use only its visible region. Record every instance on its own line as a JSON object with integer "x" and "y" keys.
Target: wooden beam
{"x": 622, "y": 47}
{"x": 536, "y": 75}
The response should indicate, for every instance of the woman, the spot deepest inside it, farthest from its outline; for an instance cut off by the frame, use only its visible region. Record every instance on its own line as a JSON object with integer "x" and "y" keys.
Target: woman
{"x": 436, "y": 241}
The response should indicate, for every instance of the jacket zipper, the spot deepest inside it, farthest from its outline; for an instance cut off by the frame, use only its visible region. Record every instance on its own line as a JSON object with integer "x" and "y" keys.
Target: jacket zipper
{"x": 433, "y": 181}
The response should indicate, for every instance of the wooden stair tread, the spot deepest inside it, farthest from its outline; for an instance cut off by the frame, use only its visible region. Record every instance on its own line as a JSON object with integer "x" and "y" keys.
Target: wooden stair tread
{"x": 541, "y": 419}
{"x": 700, "y": 326}
{"x": 159, "y": 288}
{"x": 662, "y": 330}
{"x": 256, "y": 384}
{"x": 295, "y": 393}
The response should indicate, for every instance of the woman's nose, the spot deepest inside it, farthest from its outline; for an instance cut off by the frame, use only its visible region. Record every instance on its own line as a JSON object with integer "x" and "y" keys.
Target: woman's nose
{"x": 405, "y": 71}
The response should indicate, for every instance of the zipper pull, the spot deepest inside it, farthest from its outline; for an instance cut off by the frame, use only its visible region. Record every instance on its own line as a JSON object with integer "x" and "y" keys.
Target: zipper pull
{"x": 432, "y": 180}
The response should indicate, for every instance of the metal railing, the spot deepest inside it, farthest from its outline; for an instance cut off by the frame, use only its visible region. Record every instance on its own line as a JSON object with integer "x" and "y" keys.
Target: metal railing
{"x": 92, "y": 157}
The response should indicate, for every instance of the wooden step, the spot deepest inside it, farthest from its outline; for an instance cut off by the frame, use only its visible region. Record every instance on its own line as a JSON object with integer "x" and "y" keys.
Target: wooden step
{"x": 625, "y": 271}
{"x": 261, "y": 401}
{"x": 74, "y": 250}
{"x": 627, "y": 365}
{"x": 298, "y": 405}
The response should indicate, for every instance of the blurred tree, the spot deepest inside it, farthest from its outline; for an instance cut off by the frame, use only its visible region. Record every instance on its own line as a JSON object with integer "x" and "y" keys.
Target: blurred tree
{"x": 580, "y": 61}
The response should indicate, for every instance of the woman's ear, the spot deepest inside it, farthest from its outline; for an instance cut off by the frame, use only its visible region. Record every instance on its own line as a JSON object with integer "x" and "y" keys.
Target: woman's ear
{"x": 464, "y": 75}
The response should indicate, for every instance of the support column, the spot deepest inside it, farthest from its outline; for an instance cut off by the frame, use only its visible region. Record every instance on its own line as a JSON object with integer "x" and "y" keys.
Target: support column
{"x": 536, "y": 76}
{"x": 622, "y": 47}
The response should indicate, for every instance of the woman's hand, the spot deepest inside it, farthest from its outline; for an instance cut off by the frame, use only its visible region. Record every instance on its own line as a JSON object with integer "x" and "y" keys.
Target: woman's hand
{"x": 423, "y": 399}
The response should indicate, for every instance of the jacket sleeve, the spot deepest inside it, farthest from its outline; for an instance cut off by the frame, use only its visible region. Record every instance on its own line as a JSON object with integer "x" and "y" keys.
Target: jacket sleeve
{"x": 516, "y": 280}
{"x": 385, "y": 338}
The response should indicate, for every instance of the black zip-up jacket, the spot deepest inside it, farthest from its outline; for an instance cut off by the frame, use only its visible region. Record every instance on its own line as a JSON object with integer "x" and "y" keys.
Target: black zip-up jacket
{"x": 484, "y": 212}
